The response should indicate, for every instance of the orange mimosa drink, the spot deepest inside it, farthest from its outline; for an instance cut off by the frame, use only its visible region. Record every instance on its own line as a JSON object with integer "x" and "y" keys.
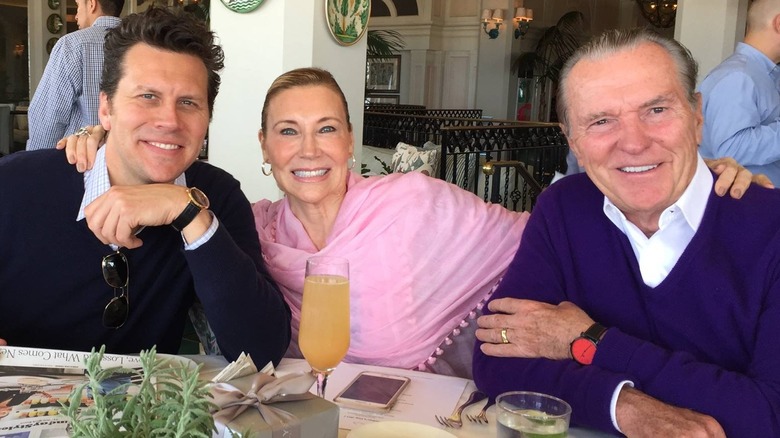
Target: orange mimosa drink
{"x": 324, "y": 330}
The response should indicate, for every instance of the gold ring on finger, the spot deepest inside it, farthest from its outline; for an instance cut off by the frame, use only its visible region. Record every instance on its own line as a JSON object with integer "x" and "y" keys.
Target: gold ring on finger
{"x": 504, "y": 339}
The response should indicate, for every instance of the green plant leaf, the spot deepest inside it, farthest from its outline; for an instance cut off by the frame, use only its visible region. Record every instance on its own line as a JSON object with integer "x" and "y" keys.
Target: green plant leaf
{"x": 170, "y": 402}
{"x": 384, "y": 43}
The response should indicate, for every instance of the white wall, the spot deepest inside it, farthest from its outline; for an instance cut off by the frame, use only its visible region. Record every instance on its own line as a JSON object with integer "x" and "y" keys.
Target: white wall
{"x": 710, "y": 29}
{"x": 259, "y": 46}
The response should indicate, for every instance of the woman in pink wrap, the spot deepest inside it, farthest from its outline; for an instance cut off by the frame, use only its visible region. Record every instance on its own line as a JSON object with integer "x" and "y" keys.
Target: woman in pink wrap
{"x": 424, "y": 254}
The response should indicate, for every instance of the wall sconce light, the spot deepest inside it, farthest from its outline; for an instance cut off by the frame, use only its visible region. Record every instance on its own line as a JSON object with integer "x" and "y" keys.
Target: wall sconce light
{"x": 522, "y": 19}
{"x": 492, "y": 19}
{"x": 18, "y": 50}
{"x": 660, "y": 13}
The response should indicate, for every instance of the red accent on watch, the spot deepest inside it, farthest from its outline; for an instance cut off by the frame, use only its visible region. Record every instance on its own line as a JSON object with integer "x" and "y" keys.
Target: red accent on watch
{"x": 583, "y": 348}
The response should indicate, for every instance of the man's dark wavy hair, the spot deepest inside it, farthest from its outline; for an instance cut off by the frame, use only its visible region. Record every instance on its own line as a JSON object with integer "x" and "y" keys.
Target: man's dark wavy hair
{"x": 164, "y": 29}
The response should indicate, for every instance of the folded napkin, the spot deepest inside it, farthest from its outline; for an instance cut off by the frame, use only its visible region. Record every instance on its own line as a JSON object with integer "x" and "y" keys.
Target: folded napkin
{"x": 243, "y": 366}
{"x": 265, "y": 389}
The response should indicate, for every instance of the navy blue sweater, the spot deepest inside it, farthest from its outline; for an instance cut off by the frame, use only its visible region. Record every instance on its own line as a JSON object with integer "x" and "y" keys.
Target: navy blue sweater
{"x": 52, "y": 292}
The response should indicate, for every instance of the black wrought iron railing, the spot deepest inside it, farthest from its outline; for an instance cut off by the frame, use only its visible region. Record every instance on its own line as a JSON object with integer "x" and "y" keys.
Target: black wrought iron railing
{"x": 503, "y": 161}
{"x": 387, "y": 129}
{"x": 507, "y": 165}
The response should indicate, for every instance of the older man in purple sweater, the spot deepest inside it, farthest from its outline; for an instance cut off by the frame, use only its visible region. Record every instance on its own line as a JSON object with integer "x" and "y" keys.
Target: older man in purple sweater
{"x": 639, "y": 296}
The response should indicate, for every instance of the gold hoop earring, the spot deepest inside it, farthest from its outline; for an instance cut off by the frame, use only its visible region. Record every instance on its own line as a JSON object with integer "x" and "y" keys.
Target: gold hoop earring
{"x": 268, "y": 172}
{"x": 351, "y": 164}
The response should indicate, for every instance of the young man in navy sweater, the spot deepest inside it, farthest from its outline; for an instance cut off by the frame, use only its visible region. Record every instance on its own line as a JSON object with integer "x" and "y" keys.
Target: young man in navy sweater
{"x": 118, "y": 255}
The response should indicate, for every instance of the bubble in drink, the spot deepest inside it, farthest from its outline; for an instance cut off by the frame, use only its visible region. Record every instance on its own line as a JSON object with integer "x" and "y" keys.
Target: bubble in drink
{"x": 529, "y": 423}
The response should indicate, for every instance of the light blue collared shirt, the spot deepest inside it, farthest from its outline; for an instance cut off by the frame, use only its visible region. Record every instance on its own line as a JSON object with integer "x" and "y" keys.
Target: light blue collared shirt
{"x": 96, "y": 183}
{"x": 741, "y": 105}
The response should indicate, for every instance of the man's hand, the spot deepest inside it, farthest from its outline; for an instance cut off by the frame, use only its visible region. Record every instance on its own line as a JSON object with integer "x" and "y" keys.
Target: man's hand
{"x": 115, "y": 216}
{"x": 81, "y": 149}
{"x": 731, "y": 174}
{"x": 639, "y": 415}
{"x": 533, "y": 329}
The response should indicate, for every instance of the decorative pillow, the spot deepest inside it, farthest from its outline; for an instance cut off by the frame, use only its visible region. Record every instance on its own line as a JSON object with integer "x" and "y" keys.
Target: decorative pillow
{"x": 409, "y": 158}
{"x": 376, "y": 161}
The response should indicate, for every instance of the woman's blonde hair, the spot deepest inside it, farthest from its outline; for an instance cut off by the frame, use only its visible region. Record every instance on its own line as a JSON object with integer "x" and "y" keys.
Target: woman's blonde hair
{"x": 302, "y": 77}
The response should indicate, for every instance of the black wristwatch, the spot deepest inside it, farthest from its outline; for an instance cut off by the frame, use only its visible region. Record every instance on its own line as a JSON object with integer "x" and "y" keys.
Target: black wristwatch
{"x": 583, "y": 348}
{"x": 198, "y": 202}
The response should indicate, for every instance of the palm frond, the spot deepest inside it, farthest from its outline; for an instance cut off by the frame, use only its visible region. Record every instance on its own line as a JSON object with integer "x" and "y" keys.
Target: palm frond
{"x": 560, "y": 42}
{"x": 384, "y": 43}
{"x": 555, "y": 46}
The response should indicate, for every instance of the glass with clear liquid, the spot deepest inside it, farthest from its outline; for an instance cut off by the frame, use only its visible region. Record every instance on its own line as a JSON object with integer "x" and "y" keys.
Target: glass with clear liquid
{"x": 522, "y": 414}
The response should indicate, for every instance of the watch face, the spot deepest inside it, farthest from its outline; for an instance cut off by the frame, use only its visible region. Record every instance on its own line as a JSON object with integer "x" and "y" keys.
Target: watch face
{"x": 199, "y": 197}
{"x": 583, "y": 350}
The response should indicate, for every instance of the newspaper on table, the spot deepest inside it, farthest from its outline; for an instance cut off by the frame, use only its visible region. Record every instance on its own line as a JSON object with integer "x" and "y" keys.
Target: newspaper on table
{"x": 35, "y": 384}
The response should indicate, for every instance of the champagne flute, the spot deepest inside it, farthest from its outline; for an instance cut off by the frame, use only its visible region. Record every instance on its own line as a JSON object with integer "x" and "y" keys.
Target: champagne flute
{"x": 324, "y": 332}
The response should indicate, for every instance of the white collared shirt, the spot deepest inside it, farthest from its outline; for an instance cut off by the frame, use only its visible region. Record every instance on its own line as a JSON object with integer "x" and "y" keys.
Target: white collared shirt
{"x": 96, "y": 183}
{"x": 658, "y": 253}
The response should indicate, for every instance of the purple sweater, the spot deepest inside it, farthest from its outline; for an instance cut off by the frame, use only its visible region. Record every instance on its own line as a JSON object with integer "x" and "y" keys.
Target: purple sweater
{"x": 704, "y": 339}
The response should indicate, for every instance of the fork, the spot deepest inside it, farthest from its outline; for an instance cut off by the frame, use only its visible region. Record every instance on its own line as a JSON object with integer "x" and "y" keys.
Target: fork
{"x": 482, "y": 416}
{"x": 454, "y": 419}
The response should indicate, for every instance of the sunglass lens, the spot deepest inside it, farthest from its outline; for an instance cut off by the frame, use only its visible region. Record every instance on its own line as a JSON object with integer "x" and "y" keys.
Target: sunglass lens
{"x": 115, "y": 270}
{"x": 115, "y": 313}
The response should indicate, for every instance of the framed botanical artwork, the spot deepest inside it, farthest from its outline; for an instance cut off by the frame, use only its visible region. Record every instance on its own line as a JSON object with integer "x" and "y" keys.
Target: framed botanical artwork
{"x": 380, "y": 98}
{"x": 383, "y": 73}
{"x": 347, "y": 19}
